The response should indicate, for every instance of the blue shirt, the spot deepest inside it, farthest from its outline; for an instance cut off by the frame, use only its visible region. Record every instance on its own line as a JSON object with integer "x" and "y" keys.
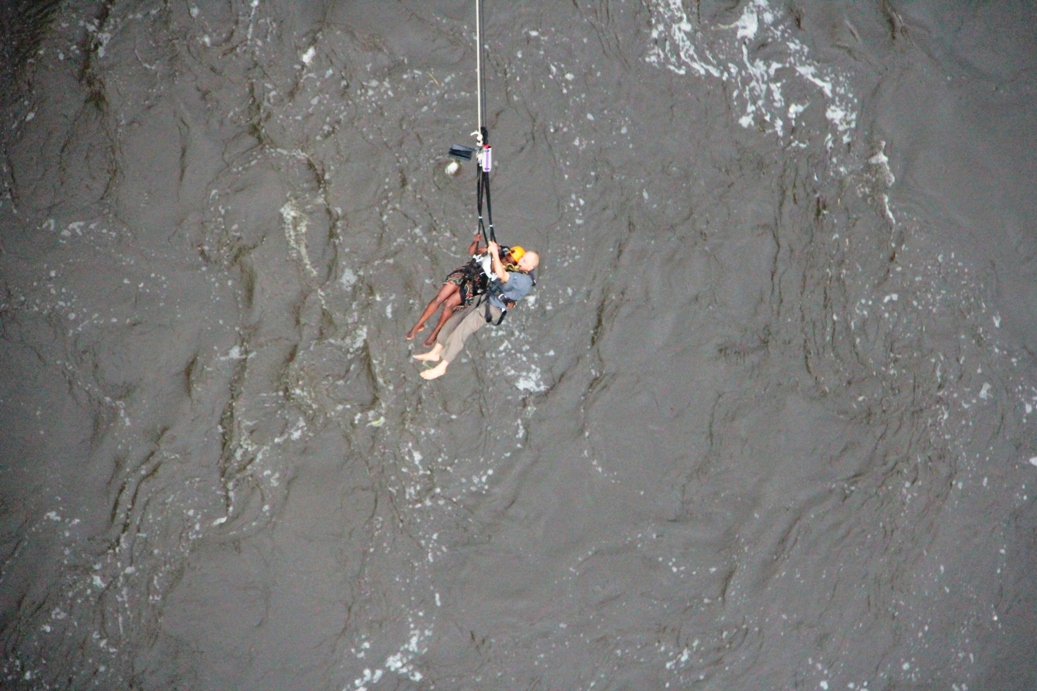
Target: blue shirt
{"x": 517, "y": 287}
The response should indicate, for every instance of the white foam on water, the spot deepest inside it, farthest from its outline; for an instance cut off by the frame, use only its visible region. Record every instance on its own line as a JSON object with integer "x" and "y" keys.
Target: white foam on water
{"x": 672, "y": 29}
{"x": 401, "y": 662}
{"x": 881, "y": 163}
{"x": 295, "y": 225}
{"x": 233, "y": 354}
{"x": 758, "y": 84}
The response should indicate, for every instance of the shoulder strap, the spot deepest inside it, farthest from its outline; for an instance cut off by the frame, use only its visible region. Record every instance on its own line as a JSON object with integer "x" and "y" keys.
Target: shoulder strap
{"x": 489, "y": 314}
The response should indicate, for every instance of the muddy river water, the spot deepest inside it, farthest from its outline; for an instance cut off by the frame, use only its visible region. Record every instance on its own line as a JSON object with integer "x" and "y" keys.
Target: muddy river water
{"x": 766, "y": 421}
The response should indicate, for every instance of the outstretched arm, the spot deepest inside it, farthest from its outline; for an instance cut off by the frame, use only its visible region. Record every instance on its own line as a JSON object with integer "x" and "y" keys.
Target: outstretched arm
{"x": 473, "y": 248}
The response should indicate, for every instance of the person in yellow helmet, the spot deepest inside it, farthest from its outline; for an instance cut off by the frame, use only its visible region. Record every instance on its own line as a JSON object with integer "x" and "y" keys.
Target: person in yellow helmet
{"x": 507, "y": 287}
{"x": 461, "y": 286}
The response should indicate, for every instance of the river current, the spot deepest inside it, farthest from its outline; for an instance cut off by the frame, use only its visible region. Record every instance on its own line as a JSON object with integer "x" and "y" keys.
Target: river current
{"x": 766, "y": 421}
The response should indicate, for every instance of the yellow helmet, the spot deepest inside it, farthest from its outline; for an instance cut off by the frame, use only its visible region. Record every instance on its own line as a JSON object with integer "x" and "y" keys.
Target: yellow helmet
{"x": 516, "y": 253}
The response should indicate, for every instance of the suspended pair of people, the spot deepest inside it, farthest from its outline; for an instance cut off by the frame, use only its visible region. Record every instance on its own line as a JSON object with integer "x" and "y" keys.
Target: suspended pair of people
{"x": 469, "y": 299}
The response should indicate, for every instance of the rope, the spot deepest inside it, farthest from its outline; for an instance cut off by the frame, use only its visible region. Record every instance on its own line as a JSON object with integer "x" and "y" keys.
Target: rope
{"x": 480, "y": 82}
{"x": 482, "y": 135}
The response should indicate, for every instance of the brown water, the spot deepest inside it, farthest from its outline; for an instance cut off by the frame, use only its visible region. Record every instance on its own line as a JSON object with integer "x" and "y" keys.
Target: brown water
{"x": 766, "y": 422}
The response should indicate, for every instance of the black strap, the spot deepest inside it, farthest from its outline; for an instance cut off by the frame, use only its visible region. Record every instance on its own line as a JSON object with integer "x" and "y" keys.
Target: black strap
{"x": 482, "y": 190}
{"x": 472, "y": 275}
{"x": 488, "y": 313}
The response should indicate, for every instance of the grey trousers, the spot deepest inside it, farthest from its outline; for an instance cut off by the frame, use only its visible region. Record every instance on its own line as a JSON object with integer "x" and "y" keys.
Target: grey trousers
{"x": 460, "y": 326}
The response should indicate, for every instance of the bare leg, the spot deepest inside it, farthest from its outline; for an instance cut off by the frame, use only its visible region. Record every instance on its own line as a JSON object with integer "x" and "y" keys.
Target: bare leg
{"x": 449, "y": 305}
{"x": 445, "y": 292}
{"x": 430, "y": 356}
{"x": 436, "y": 372}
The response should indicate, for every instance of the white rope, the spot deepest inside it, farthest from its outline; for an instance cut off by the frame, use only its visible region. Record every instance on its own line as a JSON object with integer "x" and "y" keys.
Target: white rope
{"x": 479, "y": 71}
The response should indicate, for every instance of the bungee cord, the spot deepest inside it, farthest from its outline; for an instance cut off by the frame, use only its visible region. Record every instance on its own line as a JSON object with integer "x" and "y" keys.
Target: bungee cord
{"x": 483, "y": 152}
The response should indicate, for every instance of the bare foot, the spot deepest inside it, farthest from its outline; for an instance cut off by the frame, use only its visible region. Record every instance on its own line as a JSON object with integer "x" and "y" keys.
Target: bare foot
{"x": 430, "y": 356}
{"x": 431, "y": 340}
{"x": 436, "y": 372}
{"x": 414, "y": 332}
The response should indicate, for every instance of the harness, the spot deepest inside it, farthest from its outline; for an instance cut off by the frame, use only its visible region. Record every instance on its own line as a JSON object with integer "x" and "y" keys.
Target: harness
{"x": 494, "y": 288}
{"x": 473, "y": 282}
